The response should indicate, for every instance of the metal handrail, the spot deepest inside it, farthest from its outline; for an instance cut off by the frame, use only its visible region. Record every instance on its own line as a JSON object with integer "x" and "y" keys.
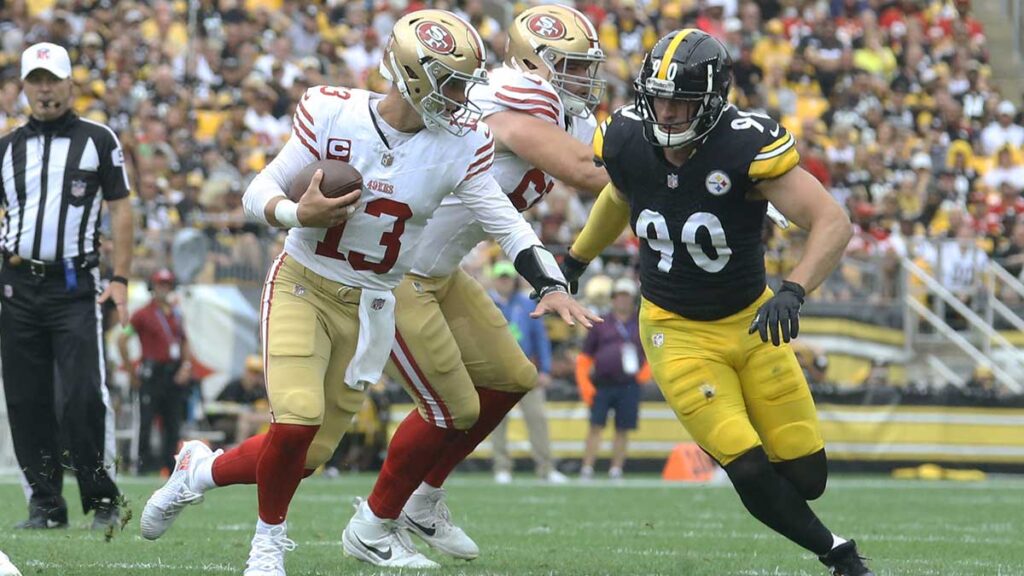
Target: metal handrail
{"x": 945, "y": 371}
{"x": 1001, "y": 273}
{"x": 977, "y": 355}
{"x": 948, "y": 298}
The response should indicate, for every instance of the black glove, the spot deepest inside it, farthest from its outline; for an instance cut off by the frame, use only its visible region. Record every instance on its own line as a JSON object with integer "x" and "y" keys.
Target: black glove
{"x": 780, "y": 313}
{"x": 572, "y": 269}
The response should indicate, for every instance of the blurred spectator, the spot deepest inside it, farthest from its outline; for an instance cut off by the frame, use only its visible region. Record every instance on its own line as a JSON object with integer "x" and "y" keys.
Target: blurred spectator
{"x": 609, "y": 372}
{"x": 245, "y": 398}
{"x": 533, "y": 339}
{"x": 164, "y": 372}
{"x": 1003, "y": 130}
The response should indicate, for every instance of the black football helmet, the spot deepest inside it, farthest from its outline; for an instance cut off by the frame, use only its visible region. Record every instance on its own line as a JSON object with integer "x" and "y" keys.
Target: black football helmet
{"x": 690, "y": 65}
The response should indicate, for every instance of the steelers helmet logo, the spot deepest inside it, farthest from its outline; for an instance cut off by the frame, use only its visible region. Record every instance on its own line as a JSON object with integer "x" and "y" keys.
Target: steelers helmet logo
{"x": 435, "y": 37}
{"x": 547, "y": 27}
{"x": 718, "y": 183}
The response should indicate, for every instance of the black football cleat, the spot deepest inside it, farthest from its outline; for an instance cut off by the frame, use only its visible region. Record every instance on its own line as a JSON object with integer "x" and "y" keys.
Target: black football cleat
{"x": 106, "y": 516}
{"x": 844, "y": 560}
{"x": 40, "y": 518}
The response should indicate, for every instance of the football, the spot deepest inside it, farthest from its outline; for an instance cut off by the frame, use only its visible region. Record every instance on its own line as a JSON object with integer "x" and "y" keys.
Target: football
{"x": 339, "y": 178}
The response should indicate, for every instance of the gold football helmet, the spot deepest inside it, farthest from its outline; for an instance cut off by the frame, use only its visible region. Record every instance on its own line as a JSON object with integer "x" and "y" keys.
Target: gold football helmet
{"x": 563, "y": 41}
{"x": 428, "y": 51}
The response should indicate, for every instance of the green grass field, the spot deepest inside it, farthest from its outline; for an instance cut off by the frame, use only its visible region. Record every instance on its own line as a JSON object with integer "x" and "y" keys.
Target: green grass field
{"x": 640, "y": 526}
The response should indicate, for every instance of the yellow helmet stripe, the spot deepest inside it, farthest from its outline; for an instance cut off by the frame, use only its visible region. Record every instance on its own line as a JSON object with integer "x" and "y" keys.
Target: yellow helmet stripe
{"x": 663, "y": 69}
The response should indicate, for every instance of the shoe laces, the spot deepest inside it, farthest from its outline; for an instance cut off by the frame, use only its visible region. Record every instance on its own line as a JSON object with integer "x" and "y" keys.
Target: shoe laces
{"x": 183, "y": 497}
{"x": 268, "y": 550}
{"x": 400, "y": 535}
{"x": 439, "y": 508}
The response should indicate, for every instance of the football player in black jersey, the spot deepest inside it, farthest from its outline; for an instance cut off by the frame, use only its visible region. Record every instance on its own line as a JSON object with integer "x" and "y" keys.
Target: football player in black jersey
{"x": 693, "y": 177}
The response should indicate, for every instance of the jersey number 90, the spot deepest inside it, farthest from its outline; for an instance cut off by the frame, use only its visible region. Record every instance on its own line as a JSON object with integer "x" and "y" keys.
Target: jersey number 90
{"x": 652, "y": 227}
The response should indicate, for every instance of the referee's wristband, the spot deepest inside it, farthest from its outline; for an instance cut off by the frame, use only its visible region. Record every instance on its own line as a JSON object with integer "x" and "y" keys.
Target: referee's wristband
{"x": 120, "y": 279}
{"x": 286, "y": 213}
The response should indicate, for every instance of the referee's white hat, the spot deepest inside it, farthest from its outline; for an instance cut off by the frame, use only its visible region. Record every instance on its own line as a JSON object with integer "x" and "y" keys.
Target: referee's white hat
{"x": 49, "y": 57}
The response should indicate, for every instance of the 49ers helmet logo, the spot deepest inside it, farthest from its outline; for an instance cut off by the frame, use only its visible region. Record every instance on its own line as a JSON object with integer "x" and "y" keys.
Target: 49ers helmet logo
{"x": 435, "y": 37}
{"x": 547, "y": 27}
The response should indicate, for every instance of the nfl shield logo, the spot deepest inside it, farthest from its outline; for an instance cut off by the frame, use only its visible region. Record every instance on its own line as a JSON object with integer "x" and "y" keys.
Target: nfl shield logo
{"x": 673, "y": 181}
{"x": 387, "y": 159}
{"x": 78, "y": 188}
{"x": 377, "y": 304}
{"x": 658, "y": 340}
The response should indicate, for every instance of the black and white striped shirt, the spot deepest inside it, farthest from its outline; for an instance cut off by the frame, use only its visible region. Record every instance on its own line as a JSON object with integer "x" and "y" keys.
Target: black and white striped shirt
{"x": 53, "y": 176}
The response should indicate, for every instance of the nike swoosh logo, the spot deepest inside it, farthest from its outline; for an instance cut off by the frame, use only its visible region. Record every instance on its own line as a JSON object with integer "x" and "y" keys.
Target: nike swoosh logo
{"x": 382, "y": 554}
{"x": 774, "y": 131}
{"x": 421, "y": 527}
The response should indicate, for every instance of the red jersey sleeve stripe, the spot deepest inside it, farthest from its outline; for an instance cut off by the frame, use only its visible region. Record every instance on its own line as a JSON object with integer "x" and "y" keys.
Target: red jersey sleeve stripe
{"x": 299, "y": 124}
{"x": 531, "y": 92}
{"x": 484, "y": 148}
{"x": 481, "y": 169}
{"x": 305, "y": 113}
{"x": 309, "y": 147}
{"x": 480, "y": 161}
{"x": 531, "y": 106}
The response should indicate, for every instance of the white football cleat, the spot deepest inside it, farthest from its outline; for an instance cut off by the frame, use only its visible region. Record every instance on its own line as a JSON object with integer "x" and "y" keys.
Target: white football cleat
{"x": 7, "y": 568}
{"x": 381, "y": 542}
{"x": 427, "y": 516}
{"x": 266, "y": 557}
{"x": 556, "y": 477}
{"x": 164, "y": 506}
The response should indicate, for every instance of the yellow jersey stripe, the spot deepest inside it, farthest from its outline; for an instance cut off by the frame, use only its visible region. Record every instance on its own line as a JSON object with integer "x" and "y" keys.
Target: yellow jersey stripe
{"x": 789, "y": 142}
{"x": 774, "y": 167}
{"x": 776, "y": 144}
{"x": 598, "y": 142}
{"x": 670, "y": 52}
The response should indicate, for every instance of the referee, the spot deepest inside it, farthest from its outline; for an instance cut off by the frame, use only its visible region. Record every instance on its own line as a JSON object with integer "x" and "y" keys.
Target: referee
{"x": 55, "y": 171}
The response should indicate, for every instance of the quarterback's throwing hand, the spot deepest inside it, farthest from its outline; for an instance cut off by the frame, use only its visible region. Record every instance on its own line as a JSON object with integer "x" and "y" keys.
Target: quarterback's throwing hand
{"x": 781, "y": 313}
{"x": 557, "y": 301}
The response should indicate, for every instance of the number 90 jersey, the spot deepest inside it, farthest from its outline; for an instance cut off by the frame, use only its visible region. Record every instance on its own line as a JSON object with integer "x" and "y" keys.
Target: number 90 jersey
{"x": 702, "y": 254}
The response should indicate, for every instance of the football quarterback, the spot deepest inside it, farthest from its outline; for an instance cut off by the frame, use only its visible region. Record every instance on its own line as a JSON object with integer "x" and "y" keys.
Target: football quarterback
{"x": 327, "y": 318}
{"x": 692, "y": 175}
{"x": 453, "y": 349}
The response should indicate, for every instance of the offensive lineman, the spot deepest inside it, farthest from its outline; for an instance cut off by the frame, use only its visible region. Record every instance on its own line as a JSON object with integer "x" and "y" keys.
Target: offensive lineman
{"x": 327, "y": 316}
{"x": 692, "y": 175}
{"x": 453, "y": 350}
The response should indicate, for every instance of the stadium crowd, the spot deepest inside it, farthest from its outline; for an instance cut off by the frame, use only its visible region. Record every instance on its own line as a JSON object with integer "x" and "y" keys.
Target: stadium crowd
{"x": 891, "y": 102}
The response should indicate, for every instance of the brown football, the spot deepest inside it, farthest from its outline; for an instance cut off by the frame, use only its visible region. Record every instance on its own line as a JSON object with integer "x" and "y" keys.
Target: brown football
{"x": 339, "y": 178}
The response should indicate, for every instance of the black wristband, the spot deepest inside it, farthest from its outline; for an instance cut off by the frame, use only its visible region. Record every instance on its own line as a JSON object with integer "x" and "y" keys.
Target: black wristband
{"x": 793, "y": 287}
{"x": 539, "y": 268}
{"x": 120, "y": 279}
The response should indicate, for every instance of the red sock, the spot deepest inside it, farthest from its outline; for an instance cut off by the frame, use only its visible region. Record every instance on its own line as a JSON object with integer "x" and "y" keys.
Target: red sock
{"x": 413, "y": 451}
{"x": 238, "y": 465}
{"x": 280, "y": 468}
{"x": 494, "y": 405}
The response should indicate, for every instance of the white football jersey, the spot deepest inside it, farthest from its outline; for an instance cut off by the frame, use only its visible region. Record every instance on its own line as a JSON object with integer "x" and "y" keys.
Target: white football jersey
{"x": 405, "y": 178}
{"x": 452, "y": 232}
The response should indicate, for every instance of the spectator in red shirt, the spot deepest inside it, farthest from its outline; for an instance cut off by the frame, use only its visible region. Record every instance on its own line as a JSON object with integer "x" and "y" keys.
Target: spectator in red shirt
{"x": 975, "y": 29}
{"x": 164, "y": 372}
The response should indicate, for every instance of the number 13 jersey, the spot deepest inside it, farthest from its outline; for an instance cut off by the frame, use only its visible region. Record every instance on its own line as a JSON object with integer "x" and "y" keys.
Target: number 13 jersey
{"x": 405, "y": 178}
{"x": 702, "y": 249}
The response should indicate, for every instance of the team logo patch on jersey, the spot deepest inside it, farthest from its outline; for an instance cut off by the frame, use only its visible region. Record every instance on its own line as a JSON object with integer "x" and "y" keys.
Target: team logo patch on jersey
{"x": 658, "y": 340}
{"x": 718, "y": 183}
{"x": 547, "y": 27}
{"x": 78, "y": 188}
{"x": 672, "y": 181}
{"x": 435, "y": 37}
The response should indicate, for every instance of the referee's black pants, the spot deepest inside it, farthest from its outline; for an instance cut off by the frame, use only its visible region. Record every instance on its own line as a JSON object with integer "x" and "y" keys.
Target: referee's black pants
{"x": 160, "y": 396}
{"x": 55, "y": 384}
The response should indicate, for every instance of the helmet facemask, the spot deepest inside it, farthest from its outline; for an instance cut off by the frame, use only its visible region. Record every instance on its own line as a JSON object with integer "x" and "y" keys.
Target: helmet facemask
{"x": 569, "y": 85}
{"x": 441, "y": 111}
{"x": 673, "y": 135}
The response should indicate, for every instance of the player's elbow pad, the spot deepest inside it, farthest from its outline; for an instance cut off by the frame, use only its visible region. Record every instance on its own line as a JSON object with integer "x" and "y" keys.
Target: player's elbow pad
{"x": 539, "y": 268}
{"x": 608, "y": 218}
